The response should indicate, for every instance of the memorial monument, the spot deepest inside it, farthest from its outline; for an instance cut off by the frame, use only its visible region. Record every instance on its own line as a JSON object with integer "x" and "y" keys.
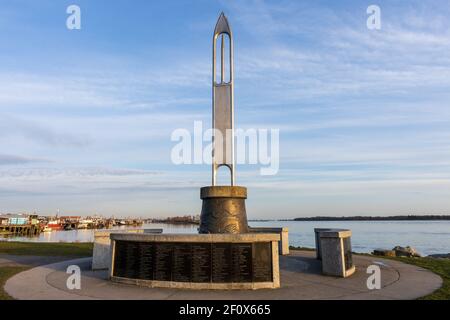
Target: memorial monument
{"x": 226, "y": 254}
{"x": 223, "y": 209}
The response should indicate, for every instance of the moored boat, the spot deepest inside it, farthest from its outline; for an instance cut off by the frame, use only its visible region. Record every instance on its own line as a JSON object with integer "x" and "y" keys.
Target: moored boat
{"x": 54, "y": 225}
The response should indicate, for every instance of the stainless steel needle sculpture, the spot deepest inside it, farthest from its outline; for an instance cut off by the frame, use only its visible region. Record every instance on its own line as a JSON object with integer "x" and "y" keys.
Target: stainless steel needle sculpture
{"x": 223, "y": 209}
{"x": 223, "y": 102}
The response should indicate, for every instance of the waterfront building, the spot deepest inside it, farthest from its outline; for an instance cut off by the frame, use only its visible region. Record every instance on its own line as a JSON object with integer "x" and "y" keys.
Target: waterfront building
{"x": 14, "y": 219}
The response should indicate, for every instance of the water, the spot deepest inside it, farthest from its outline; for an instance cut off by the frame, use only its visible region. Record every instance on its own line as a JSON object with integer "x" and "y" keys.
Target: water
{"x": 428, "y": 237}
{"x": 85, "y": 235}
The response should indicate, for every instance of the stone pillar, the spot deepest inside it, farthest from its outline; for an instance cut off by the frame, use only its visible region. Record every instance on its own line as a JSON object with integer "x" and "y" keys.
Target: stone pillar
{"x": 317, "y": 231}
{"x": 223, "y": 210}
{"x": 336, "y": 252}
{"x": 284, "y": 243}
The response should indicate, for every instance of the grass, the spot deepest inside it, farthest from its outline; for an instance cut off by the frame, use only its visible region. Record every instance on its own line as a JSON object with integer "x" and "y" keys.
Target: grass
{"x": 5, "y": 274}
{"x": 46, "y": 249}
{"x": 440, "y": 267}
{"x": 37, "y": 249}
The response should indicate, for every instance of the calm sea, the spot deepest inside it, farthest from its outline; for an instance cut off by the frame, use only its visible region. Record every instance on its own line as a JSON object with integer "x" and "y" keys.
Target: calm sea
{"x": 427, "y": 237}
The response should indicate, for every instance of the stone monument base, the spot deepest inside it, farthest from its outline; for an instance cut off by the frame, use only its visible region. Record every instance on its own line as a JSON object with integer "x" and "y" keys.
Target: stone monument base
{"x": 334, "y": 248}
{"x": 223, "y": 210}
{"x": 203, "y": 261}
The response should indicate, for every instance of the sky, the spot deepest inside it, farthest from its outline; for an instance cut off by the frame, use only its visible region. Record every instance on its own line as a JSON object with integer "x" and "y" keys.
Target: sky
{"x": 86, "y": 115}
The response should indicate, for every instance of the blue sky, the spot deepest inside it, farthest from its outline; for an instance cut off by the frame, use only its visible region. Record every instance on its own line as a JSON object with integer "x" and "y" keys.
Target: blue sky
{"x": 86, "y": 115}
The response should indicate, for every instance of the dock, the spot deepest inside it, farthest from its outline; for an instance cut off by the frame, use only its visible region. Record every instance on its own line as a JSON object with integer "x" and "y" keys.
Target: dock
{"x": 23, "y": 229}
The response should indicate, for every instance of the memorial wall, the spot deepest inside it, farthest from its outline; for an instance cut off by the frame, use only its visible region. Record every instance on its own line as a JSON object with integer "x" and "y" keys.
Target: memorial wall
{"x": 194, "y": 262}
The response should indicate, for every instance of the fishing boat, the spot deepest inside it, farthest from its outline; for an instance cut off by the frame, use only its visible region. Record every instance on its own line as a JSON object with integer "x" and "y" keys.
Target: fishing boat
{"x": 54, "y": 225}
{"x": 86, "y": 224}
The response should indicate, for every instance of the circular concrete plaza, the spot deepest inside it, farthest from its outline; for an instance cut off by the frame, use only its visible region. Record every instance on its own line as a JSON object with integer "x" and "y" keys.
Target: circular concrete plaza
{"x": 301, "y": 278}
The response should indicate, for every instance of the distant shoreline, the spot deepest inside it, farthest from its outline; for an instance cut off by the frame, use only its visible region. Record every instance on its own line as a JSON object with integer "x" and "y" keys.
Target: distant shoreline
{"x": 365, "y": 218}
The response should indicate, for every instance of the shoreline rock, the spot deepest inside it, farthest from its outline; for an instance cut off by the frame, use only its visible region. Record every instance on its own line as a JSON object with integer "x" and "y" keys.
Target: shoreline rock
{"x": 439, "y": 256}
{"x": 398, "y": 251}
{"x": 384, "y": 253}
{"x": 406, "y": 252}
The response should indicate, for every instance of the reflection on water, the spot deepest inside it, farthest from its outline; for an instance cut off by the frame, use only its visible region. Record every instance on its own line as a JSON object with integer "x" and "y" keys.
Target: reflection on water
{"x": 85, "y": 235}
{"x": 427, "y": 237}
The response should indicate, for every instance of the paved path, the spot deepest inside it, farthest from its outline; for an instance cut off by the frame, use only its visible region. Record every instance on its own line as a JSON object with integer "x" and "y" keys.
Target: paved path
{"x": 300, "y": 279}
{"x": 9, "y": 260}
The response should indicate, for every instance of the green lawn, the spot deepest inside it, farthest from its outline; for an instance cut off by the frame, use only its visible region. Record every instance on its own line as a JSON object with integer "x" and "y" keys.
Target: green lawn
{"x": 46, "y": 249}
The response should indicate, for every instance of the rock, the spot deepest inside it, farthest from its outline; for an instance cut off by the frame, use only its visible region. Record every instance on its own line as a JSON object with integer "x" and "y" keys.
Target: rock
{"x": 384, "y": 252}
{"x": 440, "y": 256}
{"x": 406, "y": 252}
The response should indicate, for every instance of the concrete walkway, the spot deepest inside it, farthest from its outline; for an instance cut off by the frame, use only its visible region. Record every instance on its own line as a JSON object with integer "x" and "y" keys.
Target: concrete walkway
{"x": 300, "y": 279}
{"x": 9, "y": 260}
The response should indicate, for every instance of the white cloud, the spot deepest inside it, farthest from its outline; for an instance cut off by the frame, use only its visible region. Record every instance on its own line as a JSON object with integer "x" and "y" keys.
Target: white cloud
{"x": 6, "y": 159}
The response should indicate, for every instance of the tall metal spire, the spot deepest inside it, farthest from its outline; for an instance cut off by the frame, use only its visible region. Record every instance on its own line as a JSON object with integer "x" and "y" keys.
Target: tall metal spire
{"x": 223, "y": 102}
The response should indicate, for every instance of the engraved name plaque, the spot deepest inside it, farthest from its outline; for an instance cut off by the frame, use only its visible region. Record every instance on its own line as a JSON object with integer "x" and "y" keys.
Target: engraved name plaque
{"x": 193, "y": 262}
